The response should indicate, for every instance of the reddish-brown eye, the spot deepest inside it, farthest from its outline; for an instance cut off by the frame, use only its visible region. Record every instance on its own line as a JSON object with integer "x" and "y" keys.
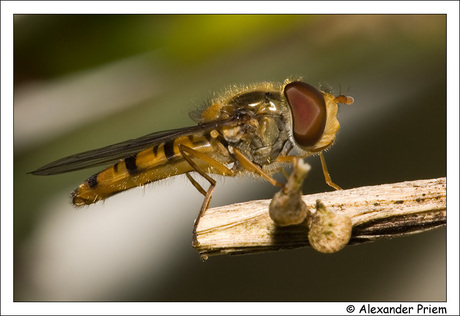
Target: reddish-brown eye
{"x": 308, "y": 112}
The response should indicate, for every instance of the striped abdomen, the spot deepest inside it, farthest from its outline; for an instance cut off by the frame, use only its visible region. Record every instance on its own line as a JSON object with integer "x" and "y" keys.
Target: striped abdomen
{"x": 152, "y": 164}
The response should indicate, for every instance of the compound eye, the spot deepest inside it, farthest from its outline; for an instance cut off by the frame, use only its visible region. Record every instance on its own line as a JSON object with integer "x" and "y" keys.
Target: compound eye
{"x": 308, "y": 112}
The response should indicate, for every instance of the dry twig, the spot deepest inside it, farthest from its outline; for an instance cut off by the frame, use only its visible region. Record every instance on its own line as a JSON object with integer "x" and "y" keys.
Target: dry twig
{"x": 382, "y": 211}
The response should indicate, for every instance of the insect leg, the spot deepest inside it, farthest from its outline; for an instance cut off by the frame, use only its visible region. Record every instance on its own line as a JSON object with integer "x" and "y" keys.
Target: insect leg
{"x": 286, "y": 159}
{"x": 195, "y": 184}
{"x": 327, "y": 177}
{"x": 187, "y": 153}
{"x": 250, "y": 166}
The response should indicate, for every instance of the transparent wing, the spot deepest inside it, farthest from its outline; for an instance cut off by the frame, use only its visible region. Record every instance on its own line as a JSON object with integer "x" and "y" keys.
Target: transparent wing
{"x": 195, "y": 115}
{"x": 112, "y": 153}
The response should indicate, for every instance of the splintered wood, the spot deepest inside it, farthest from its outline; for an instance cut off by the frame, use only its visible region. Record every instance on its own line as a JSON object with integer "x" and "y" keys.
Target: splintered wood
{"x": 382, "y": 211}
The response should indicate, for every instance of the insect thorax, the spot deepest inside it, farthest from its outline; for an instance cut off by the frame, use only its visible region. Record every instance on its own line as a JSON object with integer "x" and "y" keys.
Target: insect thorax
{"x": 262, "y": 132}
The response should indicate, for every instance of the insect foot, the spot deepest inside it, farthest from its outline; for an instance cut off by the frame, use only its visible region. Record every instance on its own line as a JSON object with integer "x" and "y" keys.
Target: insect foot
{"x": 328, "y": 231}
{"x": 287, "y": 207}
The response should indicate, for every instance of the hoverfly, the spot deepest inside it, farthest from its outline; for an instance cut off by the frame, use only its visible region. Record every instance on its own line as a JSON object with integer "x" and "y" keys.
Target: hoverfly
{"x": 255, "y": 129}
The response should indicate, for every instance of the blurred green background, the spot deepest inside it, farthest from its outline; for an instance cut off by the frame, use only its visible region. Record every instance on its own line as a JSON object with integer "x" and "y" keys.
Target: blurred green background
{"x": 86, "y": 81}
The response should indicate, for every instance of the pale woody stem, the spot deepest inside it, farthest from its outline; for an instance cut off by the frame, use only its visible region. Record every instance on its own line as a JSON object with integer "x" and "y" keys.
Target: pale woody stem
{"x": 388, "y": 210}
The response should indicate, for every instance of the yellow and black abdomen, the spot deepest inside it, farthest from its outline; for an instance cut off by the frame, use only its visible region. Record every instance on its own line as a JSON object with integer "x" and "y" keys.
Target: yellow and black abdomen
{"x": 155, "y": 163}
